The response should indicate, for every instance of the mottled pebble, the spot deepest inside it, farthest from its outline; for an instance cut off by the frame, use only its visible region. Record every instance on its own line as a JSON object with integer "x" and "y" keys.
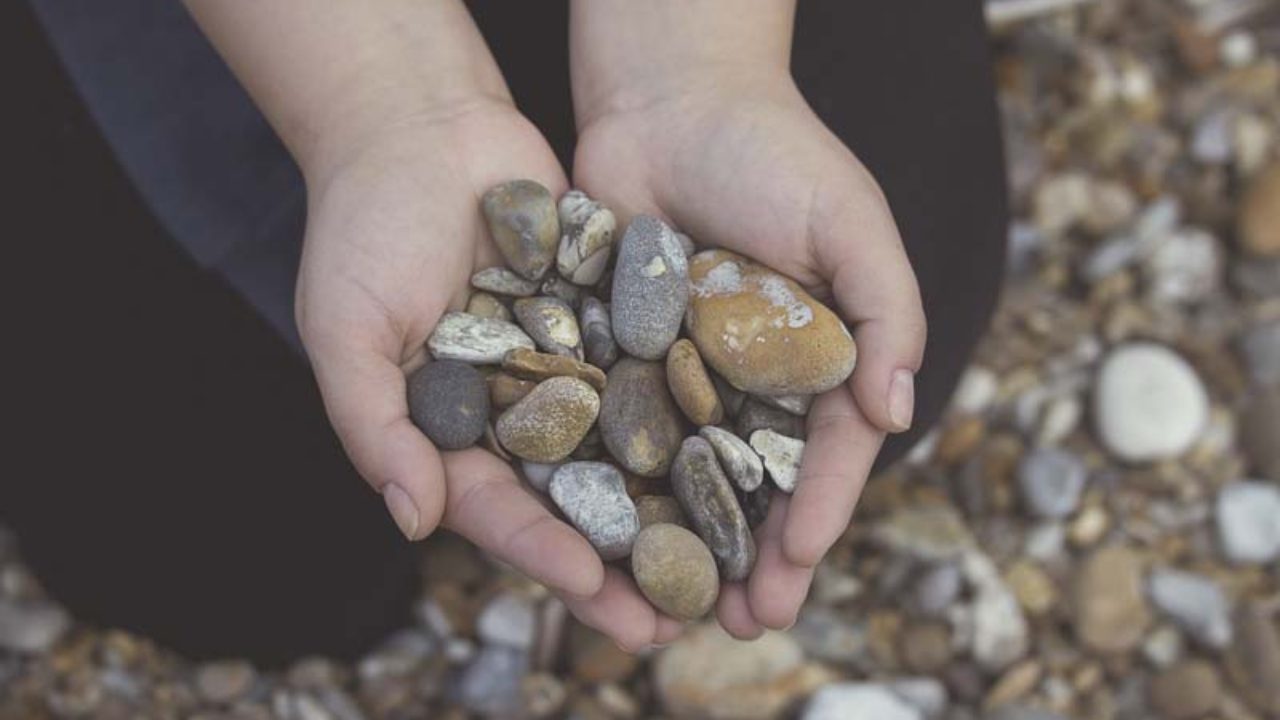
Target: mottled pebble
{"x": 593, "y": 495}
{"x": 1259, "y": 216}
{"x": 449, "y": 402}
{"x": 738, "y": 460}
{"x": 475, "y": 340}
{"x": 507, "y": 390}
{"x": 675, "y": 571}
{"x": 1248, "y": 520}
{"x": 501, "y": 281}
{"x": 552, "y": 325}
{"x": 586, "y": 238}
{"x": 761, "y": 331}
{"x": 691, "y": 386}
{"x": 550, "y": 421}
{"x": 781, "y": 455}
{"x": 650, "y": 289}
{"x": 712, "y": 508}
{"x": 639, "y": 421}
{"x": 597, "y": 334}
{"x": 524, "y": 224}
{"x": 529, "y": 364}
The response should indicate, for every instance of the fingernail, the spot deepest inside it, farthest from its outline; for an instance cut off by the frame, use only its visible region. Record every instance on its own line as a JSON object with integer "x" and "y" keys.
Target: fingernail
{"x": 402, "y": 509}
{"x": 902, "y": 399}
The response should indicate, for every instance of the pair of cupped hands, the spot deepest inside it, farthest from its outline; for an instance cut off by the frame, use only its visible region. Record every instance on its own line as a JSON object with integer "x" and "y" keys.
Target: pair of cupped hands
{"x": 735, "y": 159}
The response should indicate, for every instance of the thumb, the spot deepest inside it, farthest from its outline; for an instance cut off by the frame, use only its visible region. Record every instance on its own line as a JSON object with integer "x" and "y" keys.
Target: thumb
{"x": 364, "y": 393}
{"x": 858, "y": 245}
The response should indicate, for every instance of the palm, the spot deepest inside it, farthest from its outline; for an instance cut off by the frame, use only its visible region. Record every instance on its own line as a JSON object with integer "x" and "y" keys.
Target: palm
{"x": 757, "y": 172}
{"x": 394, "y": 235}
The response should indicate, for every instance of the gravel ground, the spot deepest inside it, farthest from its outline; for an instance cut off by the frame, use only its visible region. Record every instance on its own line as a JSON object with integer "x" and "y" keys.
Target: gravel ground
{"x": 1093, "y": 532}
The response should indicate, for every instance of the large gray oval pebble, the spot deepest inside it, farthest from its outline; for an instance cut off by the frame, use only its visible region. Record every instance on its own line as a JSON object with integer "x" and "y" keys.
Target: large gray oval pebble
{"x": 738, "y": 460}
{"x": 712, "y": 508}
{"x": 639, "y": 421}
{"x": 523, "y": 221}
{"x": 650, "y": 288}
{"x": 552, "y": 325}
{"x": 476, "y": 340}
{"x": 449, "y": 401}
{"x": 593, "y": 495}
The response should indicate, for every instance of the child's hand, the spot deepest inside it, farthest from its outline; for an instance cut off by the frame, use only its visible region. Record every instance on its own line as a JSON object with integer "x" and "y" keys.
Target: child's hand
{"x": 734, "y": 157}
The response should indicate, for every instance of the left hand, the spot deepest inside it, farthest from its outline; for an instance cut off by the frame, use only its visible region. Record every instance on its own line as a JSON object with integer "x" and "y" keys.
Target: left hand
{"x": 736, "y": 158}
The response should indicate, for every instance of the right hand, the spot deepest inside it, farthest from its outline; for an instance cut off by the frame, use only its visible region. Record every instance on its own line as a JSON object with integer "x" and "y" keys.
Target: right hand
{"x": 394, "y": 233}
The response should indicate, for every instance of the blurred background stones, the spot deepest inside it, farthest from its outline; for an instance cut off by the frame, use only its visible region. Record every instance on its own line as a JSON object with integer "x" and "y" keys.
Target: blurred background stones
{"x": 1092, "y": 532}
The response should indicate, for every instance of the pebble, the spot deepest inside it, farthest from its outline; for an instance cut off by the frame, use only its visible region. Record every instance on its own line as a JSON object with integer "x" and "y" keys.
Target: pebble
{"x": 1260, "y": 349}
{"x": 781, "y": 455}
{"x": 1052, "y": 482}
{"x": 501, "y": 281}
{"x": 538, "y": 475}
{"x": 754, "y": 415}
{"x": 552, "y": 325}
{"x": 1023, "y": 712}
{"x": 1196, "y": 603}
{"x": 707, "y": 675}
{"x": 639, "y": 421}
{"x": 31, "y": 627}
{"x": 1248, "y": 520}
{"x": 1149, "y": 404}
{"x": 524, "y": 224}
{"x": 593, "y": 496}
{"x": 1111, "y": 613}
{"x": 475, "y": 340}
{"x": 1035, "y": 590}
{"x": 1014, "y": 684}
{"x": 1258, "y": 434}
{"x": 586, "y": 239}
{"x": 1089, "y": 526}
{"x": 675, "y": 571}
{"x": 654, "y": 509}
{"x": 482, "y": 304}
{"x": 563, "y": 290}
{"x": 794, "y": 404}
{"x": 828, "y": 636}
{"x": 1188, "y": 690}
{"x": 1163, "y": 647}
{"x": 755, "y": 505}
{"x": 650, "y": 288}
{"x": 594, "y": 658}
{"x": 846, "y": 701}
{"x": 761, "y": 331}
{"x": 691, "y": 385}
{"x": 543, "y": 695}
{"x": 937, "y": 589}
{"x": 731, "y": 397}
{"x": 507, "y": 390}
{"x": 709, "y": 502}
{"x": 225, "y": 681}
{"x": 597, "y": 334}
{"x": 532, "y": 365}
{"x": 508, "y": 619}
{"x": 1259, "y": 215}
{"x": 926, "y": 647}
{"x": 550, "y": 421}
{"x": 736, "y": 457}
{"x": 1186, "y": 268}
{"x": 1253, "y": 660}
{"x": 491, "y": 683}
{"x": 1000, "y": 632}
{"x": 449, "y": 402}
{"x": 976, "y": 391}
{"x": 926, "y": 694}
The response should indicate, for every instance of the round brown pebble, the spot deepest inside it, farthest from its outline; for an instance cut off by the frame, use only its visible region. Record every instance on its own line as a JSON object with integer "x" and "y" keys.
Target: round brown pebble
{"x": 1191, "y": 689}
{"x": 691, "y": 385}
{"x": 675, "y": 571}
{"x": 549, "y": 422}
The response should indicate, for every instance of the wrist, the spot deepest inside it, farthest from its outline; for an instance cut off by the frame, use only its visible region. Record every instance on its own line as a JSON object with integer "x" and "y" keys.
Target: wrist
{"x": 626, "y": 55}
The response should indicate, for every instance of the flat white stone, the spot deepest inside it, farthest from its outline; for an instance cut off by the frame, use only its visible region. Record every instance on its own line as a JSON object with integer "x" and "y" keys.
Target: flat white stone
{"x": 781, "y": 456}
{"x": 502, "y": 281}
{"x": 1248, "y": 517}
{"x": 476, "y": 340}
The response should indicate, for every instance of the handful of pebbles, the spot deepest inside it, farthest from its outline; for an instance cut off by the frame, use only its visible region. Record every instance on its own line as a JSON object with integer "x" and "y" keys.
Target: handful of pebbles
{"x": 571, "y": 363}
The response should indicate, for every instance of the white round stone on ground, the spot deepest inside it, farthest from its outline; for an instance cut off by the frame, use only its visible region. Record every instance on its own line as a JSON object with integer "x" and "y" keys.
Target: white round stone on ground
{"x": 844, "y": 701}
{"x": 1248, "y": 516}
{"x": 1149, "y": 404}
{"x": 476, "y": 340}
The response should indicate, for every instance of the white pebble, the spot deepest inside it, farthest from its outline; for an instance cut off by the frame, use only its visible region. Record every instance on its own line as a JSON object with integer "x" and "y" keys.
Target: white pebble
{"x": 1248, "y": 517}
{"x": 1149, "y": 404}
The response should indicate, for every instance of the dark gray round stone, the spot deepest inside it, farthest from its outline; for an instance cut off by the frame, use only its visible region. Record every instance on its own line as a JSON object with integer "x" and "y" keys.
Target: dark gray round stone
{"x": 449, "y": 401}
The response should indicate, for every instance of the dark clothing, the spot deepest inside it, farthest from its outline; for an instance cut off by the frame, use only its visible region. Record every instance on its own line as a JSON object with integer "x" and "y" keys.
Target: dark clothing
{"x": 175, "y": 472}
